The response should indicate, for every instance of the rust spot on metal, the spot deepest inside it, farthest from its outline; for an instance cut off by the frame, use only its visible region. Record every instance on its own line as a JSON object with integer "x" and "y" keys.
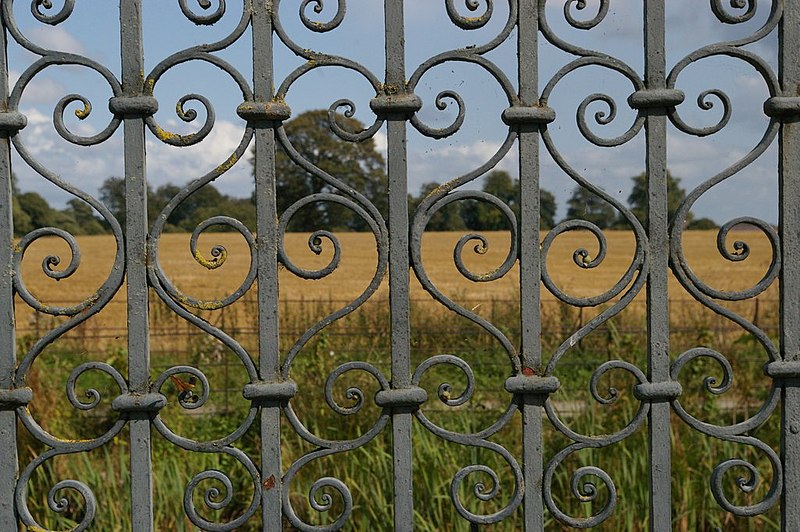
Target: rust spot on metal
{"x": 185, "y": 389}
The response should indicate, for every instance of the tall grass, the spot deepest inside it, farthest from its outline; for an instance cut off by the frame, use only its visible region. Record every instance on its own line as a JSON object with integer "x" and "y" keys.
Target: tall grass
{"x": 367, "y": 471}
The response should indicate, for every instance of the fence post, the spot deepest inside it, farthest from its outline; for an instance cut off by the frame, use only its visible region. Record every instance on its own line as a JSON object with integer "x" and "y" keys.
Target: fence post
{"x": 267, "y": 249}
{"x": 136, "y": 227}
{"x": 529, "y": 263}
{"x": 397, "y": 168}
{"x": 8, "y": 340}
{"x": 789, "y": 222}
{"x": 657, "y": 287}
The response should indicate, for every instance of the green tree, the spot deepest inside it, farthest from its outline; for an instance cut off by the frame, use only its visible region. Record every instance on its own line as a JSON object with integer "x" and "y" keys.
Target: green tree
{"x": 637, "y": 200}
{"x": 547, "y": 209}
{"x": 37, "y": 209}
{"x": 358, "y": 164}
{"x": 245, "y": 211}
{"x": 702, "y": 223}
{"x": 31, "y": 211}
{"x": 82, "y": 216}
{"x": 586, "y": 205}
{"x": 112, "y": 194}
{"x": 485, "y": 217}
{"x": 447, "y": 218}
{"x": 204, "y": 203}
{"x": 22, "y": 221}
{"x": 481, "y": 216}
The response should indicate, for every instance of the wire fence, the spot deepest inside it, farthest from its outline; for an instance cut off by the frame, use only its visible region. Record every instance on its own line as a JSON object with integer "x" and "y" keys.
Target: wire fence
{"x": 364, "y": 336}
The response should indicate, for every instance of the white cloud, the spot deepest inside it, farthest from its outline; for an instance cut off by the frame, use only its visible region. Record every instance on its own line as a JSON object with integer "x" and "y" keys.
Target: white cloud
{"x": 36, "y": 117}
{"x": 87, "y": 168}
{"x": 753, "y": 191}
{"x": 381, "y": 142}
{"x": 180, "y": 165}
{"x": 41, "y": 89}
{"x": 57, "y": 38}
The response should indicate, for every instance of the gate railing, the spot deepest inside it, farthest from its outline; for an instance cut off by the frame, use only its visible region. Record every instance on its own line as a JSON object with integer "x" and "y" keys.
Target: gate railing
{"x": 398, "y": 239}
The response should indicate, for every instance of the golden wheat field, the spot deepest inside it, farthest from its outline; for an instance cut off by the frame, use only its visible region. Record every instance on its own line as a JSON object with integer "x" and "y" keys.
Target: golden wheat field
{"x": 358, "y": 266}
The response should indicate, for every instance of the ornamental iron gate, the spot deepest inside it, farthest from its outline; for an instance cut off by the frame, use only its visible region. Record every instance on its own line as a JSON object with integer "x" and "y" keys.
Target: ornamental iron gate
{"x": 402, "y": 400}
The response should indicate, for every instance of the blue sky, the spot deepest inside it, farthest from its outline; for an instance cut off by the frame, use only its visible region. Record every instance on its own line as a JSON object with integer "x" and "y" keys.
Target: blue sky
{"x": 93, "y": 30}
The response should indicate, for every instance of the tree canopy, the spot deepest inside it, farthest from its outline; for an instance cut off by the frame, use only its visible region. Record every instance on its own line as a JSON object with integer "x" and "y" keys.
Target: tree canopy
{"x": 481, "y": 216}
{"x": 31, "y": 211}
{"x": 675, "y": 196}
{"x": 203, "y": 204}
{"x": 448, "y": 218}
{"x": 358, "y": 164}
{"x": 588, "y": 206}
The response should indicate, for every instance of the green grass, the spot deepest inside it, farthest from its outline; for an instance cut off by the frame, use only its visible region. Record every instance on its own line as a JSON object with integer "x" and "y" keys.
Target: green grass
{"x": 367, "y": 471}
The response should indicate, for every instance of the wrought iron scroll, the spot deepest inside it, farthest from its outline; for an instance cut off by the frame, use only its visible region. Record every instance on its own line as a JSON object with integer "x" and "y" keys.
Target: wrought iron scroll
{"x": 713, "y": 298}
{"x": 785, "y": 107}
{"x": 657, "y": 100}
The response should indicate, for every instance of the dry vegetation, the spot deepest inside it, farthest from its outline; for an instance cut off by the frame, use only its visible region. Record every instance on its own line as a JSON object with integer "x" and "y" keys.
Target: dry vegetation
{"x": 358, "y": 266}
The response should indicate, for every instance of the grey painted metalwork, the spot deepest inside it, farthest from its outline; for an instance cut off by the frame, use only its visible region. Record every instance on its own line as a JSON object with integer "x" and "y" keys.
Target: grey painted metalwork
{"x": 656, "y": 98}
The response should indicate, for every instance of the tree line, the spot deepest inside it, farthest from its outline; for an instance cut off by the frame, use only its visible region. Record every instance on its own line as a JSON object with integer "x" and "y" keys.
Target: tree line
{"x": 589, "y": 206}
{"x": 357, "y": 164}
{"x": 31, "y": 211}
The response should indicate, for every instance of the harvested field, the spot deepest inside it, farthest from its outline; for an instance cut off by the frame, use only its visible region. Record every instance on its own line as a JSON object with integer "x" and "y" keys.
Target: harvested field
{"x": 358, "y": 263}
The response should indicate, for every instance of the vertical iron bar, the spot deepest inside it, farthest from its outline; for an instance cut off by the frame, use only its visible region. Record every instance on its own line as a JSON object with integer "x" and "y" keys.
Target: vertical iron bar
{"x": 657, "y": 277}
{"x": 530, "y": 271}
{"x": 789, "y": 223}
{"x": 397, "y": 167}
{"x": 136, "y": 257}
{"x": 8, "y": 338}
{"x": 267, "y": 242}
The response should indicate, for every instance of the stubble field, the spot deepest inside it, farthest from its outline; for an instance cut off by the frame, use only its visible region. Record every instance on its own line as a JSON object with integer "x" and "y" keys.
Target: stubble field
{"x": 359, "y": 261}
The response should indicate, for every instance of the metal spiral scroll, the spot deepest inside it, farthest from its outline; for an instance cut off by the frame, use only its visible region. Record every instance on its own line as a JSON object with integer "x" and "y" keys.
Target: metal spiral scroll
{"x": 588, "y": 492}
{"x": 320, "y": 60}
{"x": 471, "y": 55}
{"x": 480, "y": 440}
{"x": 325, "y": 491}
{"x": 449, "y": 193}
{"x": 218, "y": 489}
{"x": 57, "y": 269}
{"x": 319, "y": 497}
{"x": 60, "y": 447}
{"x": 579, "y": 23}
{"x": 362, "y": 207}
{"x": 208, "y": 18}
{"x": 618, "y": 296}
{"x": 736, "y": 251}
{"x": 484, "y": 481}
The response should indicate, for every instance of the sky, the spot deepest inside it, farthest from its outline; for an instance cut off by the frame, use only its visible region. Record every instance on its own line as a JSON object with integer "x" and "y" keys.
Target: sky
{"x": 93, "y": 30}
